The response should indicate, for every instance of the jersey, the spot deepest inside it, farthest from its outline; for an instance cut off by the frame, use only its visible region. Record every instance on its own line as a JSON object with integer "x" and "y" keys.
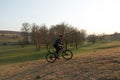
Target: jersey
{"x": 57, "y": 42}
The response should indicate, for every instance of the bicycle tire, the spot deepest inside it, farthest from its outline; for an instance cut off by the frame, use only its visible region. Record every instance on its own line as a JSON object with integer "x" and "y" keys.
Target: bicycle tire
{"x": 50, "y": 57}
{"x": 67, "y": 54}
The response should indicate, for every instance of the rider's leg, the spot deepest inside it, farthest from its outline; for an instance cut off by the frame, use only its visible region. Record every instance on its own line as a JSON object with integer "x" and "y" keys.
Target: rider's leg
{"x": 57, "y": 50}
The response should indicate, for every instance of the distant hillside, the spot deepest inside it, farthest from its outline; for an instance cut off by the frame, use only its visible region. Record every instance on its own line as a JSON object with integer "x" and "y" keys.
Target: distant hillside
{"x": 115, "y": 36}
{"x": 9, "y": 37}
{"x": 10, "y": 32}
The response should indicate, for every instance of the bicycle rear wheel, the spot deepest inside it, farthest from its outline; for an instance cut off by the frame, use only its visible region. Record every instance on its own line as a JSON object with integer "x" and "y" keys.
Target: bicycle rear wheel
{"x": 67, "y": 54}
{"x": 50, "y": 57}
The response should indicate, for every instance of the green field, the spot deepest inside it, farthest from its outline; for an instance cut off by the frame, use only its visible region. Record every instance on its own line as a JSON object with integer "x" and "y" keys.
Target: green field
{"x": 14, "y": 53}
{"x": 9, "y": 39}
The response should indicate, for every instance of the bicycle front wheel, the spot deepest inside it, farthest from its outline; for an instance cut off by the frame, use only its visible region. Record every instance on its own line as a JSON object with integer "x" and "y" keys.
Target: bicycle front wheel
{"x": 67, "y": 54}
{"x": 50, "y": 57}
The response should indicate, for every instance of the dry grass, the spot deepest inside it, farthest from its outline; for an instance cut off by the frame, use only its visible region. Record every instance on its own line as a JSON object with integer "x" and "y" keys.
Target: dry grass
{"x": 97, "y": 65}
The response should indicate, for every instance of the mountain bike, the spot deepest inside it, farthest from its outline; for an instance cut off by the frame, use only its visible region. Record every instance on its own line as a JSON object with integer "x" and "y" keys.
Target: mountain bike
{"x": 66, "y": 54}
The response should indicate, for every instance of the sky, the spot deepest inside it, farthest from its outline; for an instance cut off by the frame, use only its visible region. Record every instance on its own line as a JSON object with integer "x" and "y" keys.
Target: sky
{"x": 94, "y": 16}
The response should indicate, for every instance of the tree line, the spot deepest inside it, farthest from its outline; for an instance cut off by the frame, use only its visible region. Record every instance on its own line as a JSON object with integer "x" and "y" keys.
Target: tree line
{"x": 42, "y": 35}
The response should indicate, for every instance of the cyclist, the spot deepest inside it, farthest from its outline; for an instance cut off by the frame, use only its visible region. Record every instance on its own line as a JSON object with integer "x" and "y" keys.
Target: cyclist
{"x": 58, "y": 44}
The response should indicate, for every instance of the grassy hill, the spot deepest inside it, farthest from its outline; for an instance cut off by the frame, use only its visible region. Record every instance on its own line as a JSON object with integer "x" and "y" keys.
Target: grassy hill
{"x": 99, "y": 61}
{"x": 103, "y": 64}
{"x": 14, "y": 54}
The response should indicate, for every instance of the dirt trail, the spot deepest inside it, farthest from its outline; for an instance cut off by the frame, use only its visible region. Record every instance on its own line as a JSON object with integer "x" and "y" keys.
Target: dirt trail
{"x": 98, "y": 65}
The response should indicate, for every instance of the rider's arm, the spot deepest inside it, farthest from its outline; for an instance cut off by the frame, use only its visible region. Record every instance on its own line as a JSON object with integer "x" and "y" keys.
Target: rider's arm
{"x": 60, "y": 44}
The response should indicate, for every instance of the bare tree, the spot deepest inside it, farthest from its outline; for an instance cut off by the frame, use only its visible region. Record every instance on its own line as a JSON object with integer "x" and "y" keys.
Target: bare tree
{"x": 83, "y": 35}
{"x": 92, "y": 38}
{"x": 25, "y": 32}
{"x": 44, "y": 36}
{"x": 76, "y": 37}
{"x": 55, "y": 31}
{"x": 39, "y": 36}
{"x": 35, "y": 35}
{"x": 101, "y": 37}
{"x": 68, "y": 36}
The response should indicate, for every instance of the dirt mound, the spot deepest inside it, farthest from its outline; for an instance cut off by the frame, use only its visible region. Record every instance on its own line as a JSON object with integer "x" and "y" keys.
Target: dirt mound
{"x": 97, "y": 65}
